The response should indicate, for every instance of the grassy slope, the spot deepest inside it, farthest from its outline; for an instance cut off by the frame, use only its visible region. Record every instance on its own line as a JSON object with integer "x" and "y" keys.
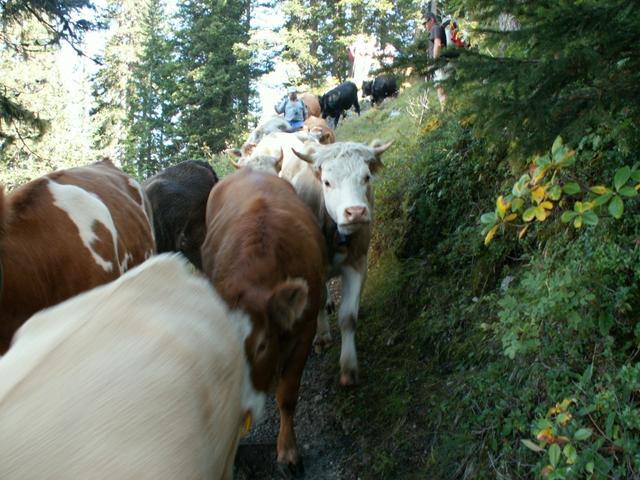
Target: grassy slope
{"x": 414, "y": 317}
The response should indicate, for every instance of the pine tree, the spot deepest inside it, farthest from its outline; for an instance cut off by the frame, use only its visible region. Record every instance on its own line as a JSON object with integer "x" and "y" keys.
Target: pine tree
{"x": 148, "y": 147}
{"x": 59, "y": 21}
{"x": 38, "y": 82}
{"x": 569, "y": 66}
{"x": 317, "y": 33}
{"x": 214, "y": 74}
{"x": 113, "y": 87}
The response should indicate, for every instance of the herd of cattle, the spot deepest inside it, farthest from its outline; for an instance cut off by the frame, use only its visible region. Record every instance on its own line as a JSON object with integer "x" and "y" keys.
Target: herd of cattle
{"x": 333, "y": 104}
{"x": 156, "y": 371}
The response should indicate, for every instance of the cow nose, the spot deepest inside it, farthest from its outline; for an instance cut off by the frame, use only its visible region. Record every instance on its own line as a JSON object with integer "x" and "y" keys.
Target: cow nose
{"x": 355, "y": 214}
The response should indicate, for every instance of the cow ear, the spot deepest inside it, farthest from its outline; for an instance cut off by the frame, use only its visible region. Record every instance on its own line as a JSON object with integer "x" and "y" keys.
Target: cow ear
{"x": 247, "y": 149}
{"x": 287, "y": 302}
{"x": 277, "y": 161}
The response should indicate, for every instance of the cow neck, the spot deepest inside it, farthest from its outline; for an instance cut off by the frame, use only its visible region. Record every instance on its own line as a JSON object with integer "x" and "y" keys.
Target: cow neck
{"x": 1, "y": 279}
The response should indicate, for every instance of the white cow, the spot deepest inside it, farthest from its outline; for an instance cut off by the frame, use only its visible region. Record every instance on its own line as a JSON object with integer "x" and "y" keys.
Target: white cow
{"x": 273, "y": 149}
{"x": 271, "y": 125}
{"x": 335, "y": 181}
{"x": 142, "y": 378}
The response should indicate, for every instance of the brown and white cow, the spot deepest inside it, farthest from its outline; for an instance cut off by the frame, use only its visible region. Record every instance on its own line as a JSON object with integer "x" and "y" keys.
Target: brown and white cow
{"x": 67, "y": 232}
{"x": 265, "y": 254}
{"x": 335, "y": 181}
{"x": 142, "y": 378}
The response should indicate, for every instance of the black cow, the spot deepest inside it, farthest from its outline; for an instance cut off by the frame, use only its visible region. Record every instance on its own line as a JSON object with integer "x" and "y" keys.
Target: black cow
{"x": 380, "y": 88}
{"x": 338, "y": 100}
{"x": 178, "y": 197}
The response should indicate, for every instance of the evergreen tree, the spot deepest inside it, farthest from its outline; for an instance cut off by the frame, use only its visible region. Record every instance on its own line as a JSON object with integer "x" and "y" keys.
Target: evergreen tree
{"x": 148, "y": 146}
{"x": 214, "y": 75}
{"x": 569, "y": 66}
{"x": 38, "y": 81}
{"x": 316, "y": 33}
{"x": 113, "y": 86}
{"x": 59, "y": 21}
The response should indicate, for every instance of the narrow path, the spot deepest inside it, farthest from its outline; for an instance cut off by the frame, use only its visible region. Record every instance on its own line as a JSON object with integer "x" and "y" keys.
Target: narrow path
{"x": 322, "y": 442}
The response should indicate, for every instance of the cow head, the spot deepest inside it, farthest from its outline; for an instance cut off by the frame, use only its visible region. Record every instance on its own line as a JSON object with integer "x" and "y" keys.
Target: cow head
{"x": 258, "y": 160}
{"x": 345, "y": 171}
{"x": 367, "y": 88}
{"x": 274, "y": 314}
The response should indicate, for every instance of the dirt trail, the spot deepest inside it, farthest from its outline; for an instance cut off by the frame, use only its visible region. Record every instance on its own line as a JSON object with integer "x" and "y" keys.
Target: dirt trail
{"x": 322, "y": 442}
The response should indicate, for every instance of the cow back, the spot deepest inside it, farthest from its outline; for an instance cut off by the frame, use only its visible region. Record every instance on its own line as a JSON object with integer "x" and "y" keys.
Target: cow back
{"x": 312, "y": 104}
{"x": 67, "y": 232}
{"x": 142, "y": 378}
{"x": 178, "y": 197}
{"x": 260, "y": 235}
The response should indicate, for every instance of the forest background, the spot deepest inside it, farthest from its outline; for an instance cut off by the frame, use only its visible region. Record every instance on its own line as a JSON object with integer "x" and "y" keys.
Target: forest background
{"x": 500, "y": 334}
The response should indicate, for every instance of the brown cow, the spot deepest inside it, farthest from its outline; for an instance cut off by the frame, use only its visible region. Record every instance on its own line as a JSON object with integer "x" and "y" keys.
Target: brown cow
{"x": 264, "y": 253}
{"x": 320, "y": 128}
{"x": 65, "y": 233}
{"x": 311, "y": 102}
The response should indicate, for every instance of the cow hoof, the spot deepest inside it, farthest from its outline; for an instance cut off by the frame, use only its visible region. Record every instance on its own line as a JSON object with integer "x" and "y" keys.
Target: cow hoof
{"x": 288, "y": 471}
{"x": 349, "y": 379}
{"x": 322, "y": 342}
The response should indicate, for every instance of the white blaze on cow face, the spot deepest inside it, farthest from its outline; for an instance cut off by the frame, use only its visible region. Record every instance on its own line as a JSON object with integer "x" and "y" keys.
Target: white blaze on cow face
{"x": 85, "y": 209}
{"x": 345, "y": 170}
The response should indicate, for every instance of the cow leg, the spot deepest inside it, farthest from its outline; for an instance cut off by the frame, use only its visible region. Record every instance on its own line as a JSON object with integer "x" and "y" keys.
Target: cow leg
{"x": 289, "y": 461}
{"x": 352, "y": 281}
{"x": 357, "y": 105}
{"x": 323, "y": 332}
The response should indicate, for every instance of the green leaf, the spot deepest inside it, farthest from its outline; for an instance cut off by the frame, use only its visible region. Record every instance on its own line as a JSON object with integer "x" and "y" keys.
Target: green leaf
{"x": 529, "y": 214}
{"x": 571, "y": 188}
{"x": 517, "y": 204}
{"x": 582, "y": 434}
{"x": 590, "y": 218}
{"x": 616, "y": 207}
{"x": 635, "y": 175}
{"x": 555, "y": 192}
{"x": 568, "y": 216}
{"x": 554, "y": 454}
{"x": 570, "y": 453}
{"x": 589, "y": 467}
{"x": 557, "y": 144}
{"x": 621, "y": 177}
{"x": 532, "y": 446}
{"x": 608, "y": 428}
{"x": 578, "y": 222}
{"x": 628, "y": 192}
{"x": 602, "y": 199}
{"x": 488, "y": 218}
{"x": 586, "y": 376}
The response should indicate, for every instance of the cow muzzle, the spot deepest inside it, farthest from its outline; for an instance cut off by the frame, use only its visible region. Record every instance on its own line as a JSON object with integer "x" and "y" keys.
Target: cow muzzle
{"x": 353, "y": 218}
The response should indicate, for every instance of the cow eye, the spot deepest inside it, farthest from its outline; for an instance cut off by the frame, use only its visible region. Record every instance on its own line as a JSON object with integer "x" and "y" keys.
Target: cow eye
{"x": 262, "y": 346}
{"x": 367, "y": 178}
{"x": 327, "y": 184}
